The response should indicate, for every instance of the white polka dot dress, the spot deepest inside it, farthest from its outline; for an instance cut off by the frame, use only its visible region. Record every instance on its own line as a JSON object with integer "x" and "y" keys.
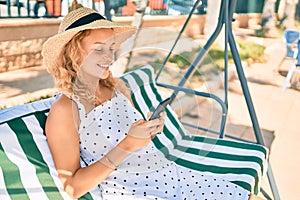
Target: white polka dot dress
{"x": 146, "y": 173}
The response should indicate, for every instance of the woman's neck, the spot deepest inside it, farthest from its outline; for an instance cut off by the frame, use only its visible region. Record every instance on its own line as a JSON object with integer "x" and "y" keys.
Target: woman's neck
{"x": 90, "y": 83}
{"x": 84, "y": 89}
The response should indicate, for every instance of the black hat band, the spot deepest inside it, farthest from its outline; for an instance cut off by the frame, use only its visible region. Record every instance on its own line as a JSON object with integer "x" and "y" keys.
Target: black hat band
{"x": 86, "y": 20}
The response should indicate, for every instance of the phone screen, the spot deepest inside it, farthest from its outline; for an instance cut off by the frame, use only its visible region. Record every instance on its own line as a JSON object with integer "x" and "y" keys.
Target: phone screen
{"x": 160, "y": 108}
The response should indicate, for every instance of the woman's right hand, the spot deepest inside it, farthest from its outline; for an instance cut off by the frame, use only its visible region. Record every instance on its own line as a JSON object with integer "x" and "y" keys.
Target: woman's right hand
{"x": 139, "y": 135}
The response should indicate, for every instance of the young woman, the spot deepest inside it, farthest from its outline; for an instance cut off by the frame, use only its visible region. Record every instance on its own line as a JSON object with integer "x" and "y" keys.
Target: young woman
{"x": 94, "y": 121}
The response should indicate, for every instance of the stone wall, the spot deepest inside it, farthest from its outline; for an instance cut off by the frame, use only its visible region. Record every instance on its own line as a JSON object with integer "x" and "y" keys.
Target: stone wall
{"x": 21, "y": 41}
{"x": 20, "y": 54}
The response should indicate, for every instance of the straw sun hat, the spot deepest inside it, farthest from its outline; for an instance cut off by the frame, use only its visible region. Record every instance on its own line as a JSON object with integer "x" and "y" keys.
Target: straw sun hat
{"x": 75, "y": 21}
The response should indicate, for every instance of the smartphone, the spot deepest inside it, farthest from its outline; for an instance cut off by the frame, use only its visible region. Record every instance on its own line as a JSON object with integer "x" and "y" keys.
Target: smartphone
{"x": 160, "y": 108}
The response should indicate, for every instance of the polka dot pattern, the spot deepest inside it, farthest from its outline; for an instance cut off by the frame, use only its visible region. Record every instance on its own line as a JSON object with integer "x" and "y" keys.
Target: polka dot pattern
{"x": 146, "y": 173}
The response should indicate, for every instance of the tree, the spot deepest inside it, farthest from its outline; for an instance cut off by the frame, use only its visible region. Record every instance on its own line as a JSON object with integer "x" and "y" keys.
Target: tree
{"x": 268, "y": 20}
{"x": 286, "y": 16}
{"x": 298, "y": 11}
{"x": 289, "y": 11}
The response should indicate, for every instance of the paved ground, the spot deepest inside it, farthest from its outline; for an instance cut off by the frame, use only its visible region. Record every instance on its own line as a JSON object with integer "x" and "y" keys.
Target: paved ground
{"x": 278, "y": 113}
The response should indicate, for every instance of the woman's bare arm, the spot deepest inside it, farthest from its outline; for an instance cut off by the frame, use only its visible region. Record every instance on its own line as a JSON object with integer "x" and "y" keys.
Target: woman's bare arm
{"x": 63, "y": 140}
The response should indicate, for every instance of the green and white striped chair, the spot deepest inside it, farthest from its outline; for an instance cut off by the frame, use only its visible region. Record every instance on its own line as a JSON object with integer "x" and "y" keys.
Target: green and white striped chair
{"x": 27, "y": 170}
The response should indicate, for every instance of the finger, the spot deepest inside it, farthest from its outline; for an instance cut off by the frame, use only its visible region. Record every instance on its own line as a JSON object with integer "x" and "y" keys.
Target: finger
{"x": 153, "y": 136}
{"x": 162, "y": 117}
{"x": 153, "y": 130}
{"x": 162, "y": 114}
{"x": 152, "y": 123}
{"x": 160, "y": 128}
{"x": 149, "y": 115}
{"x": 161, "y": 120}
{"x": 154, "y": 133}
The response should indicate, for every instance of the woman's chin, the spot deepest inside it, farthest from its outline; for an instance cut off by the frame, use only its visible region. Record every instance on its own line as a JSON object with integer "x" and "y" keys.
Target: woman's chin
{"x": 104, "y": 75}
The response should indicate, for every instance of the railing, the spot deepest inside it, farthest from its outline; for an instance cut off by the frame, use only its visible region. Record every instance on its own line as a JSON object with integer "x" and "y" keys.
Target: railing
{"x": 58, "y": 8}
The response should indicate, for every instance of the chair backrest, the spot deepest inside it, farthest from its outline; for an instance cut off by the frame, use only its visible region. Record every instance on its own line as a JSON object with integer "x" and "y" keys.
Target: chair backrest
{"x": 27, "y": 170}
{"x": 26, "y": 167}
{"x": 291, "y": 38}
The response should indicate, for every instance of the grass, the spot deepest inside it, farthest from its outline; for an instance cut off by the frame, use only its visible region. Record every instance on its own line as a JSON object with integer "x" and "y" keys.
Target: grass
{"x": 248, "y": 51}
{"x": 297, "y": 24}
{"x": 253, "y": 51}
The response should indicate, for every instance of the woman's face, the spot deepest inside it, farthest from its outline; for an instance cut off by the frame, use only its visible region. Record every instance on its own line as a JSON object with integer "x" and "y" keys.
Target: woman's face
{"x": 99, "y": 48}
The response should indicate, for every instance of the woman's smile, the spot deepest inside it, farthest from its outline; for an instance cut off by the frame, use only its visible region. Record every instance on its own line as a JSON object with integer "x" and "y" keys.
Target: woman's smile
{"x": 103, "y": 66}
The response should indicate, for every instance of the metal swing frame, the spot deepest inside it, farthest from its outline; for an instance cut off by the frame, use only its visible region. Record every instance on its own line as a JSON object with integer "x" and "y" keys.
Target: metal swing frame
{"x": 227, "y": 9}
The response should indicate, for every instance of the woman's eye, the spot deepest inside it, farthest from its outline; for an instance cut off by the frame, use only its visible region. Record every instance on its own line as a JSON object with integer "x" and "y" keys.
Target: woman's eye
{"x": 112, "y": 47}
{"x": 99, "y": 50}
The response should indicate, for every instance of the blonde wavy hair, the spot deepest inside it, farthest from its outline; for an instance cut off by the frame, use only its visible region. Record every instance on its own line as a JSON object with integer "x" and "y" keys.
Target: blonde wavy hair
{"x": 69, "y": 63}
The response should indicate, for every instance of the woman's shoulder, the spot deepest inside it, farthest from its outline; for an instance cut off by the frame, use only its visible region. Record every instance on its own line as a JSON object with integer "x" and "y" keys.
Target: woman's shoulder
{"x": 62, "y": 107}
{"x": 62, "y": 122}
{"x": 62, "y": 111}
{"x": 63, "y": 103}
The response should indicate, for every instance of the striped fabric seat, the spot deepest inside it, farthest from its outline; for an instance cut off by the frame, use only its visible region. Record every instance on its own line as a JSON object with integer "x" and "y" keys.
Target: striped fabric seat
{"x": 241, "y": 163}
{"x": 27, "y": 170}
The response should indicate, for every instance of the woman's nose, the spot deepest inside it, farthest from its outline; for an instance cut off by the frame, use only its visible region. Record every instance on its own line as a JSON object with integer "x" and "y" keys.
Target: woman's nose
{"x": 108, "y": 55}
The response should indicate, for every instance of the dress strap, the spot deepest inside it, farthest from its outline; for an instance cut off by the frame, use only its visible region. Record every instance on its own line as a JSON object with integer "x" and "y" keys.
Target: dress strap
{"x": 81, "y": 109}
{"x": 117, "y": 92}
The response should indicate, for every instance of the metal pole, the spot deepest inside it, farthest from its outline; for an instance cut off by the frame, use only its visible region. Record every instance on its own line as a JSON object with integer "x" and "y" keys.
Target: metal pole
{"x": 242, "y": 78}
{"x": 107, "y": 9}
{"x": 178, "y": 37}
{"x": 249, "y": 102}
{"x": 8, "y": 8}
{"x": 203, "y": 51}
